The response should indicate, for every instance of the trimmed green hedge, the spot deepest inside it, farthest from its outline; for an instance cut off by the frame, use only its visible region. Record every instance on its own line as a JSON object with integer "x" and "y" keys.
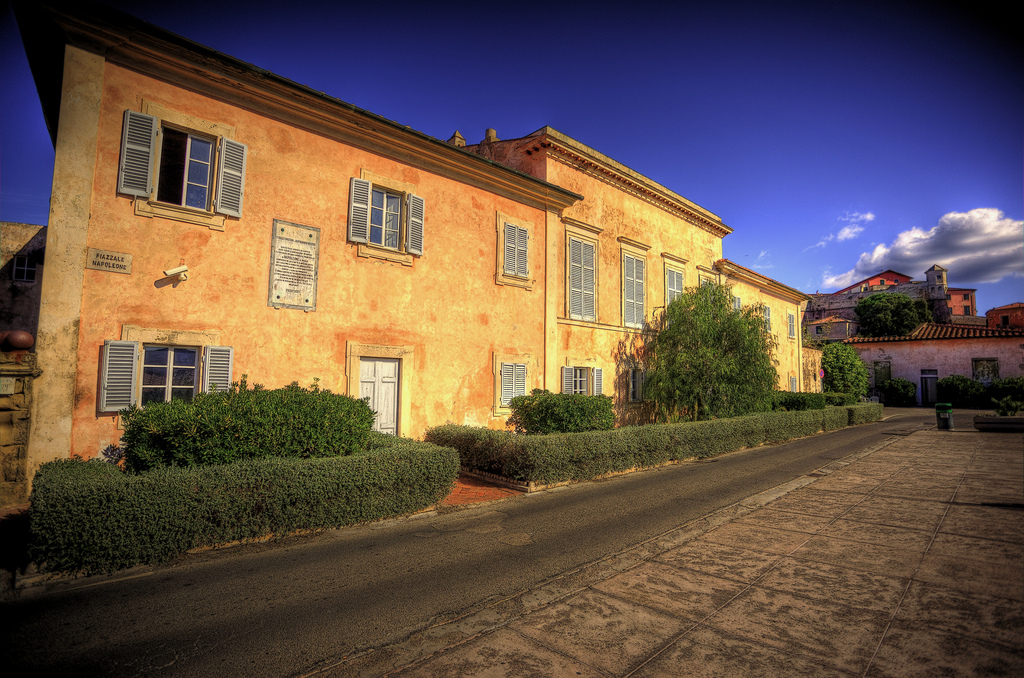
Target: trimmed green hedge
{"x": 90, "y": 517}
{"x": 245, "y": 423}
{"x": 544, "y": 412}
{"x": 582, "y": 456}
{"x": 789, "y": 400}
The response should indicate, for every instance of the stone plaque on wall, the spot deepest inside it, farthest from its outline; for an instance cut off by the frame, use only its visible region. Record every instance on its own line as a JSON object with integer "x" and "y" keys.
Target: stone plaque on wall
{"x": 104, "y": 260}
{"x": 294, "y": 260}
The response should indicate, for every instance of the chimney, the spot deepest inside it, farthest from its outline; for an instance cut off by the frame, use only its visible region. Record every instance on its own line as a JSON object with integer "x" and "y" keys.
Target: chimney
{"x": 457, "y": 140}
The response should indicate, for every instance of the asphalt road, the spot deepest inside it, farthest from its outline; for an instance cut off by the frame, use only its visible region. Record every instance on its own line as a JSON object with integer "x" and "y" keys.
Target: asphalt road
{"x": 284, "y": 608}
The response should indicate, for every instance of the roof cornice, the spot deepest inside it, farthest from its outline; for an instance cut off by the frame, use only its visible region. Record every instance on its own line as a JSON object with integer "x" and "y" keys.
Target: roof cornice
{"x": 571, "y": 152}
{"x": 140, "y": 46}
{"x": 734, "y": 270}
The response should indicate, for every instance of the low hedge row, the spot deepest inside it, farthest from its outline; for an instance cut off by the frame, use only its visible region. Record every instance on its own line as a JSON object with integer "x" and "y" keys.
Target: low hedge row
{"x": 90, "y": 517}
{"x": 582, "y": 456}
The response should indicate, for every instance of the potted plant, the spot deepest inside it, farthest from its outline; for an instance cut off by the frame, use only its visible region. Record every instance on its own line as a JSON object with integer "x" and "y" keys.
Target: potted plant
{"x": 1005, "y": 419}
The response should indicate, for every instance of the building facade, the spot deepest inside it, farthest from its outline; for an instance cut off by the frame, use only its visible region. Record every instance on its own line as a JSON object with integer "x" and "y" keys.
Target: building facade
{"x": 1010, "y": 316}
{"x": 933, "y": 351}
{"x": 948, "y": 304}
{"x": 210, "y": 220}
{"x": 22, "y": 254}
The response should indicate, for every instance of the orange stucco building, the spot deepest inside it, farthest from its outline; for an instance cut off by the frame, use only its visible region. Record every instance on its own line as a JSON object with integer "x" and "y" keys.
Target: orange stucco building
{"x": 211, "y": 220}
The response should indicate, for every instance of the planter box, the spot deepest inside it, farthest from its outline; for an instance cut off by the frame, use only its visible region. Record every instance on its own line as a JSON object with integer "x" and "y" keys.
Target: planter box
{"x": 999, "y": 424}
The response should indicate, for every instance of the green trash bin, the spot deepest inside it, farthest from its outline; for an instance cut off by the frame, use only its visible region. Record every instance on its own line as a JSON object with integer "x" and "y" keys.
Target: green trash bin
{"x": 944, "y": 416}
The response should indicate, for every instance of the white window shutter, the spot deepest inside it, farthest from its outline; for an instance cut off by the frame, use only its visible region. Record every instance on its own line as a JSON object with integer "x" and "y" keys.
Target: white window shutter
{"x": 414, "y": 229}
{"x": 519, "y": 385}
{"x": 639, "y": 293}
{"x": 510, "y": 249}
{"x": 118, "y": 377}
{"x": 359, "y": 210}
{"x": 522, "y": 250}
{"x": 628, "y": 296}
{"x": 598, "y": 381}
{"x": 219, "y": 363}
{"x": 567, "y": 374}
{"x": 138, "y": 148}
{"x": 230, "y": 178}
{"x": 589, "y": 270}
{"x": 575, "y": 279}
{"x": 507, "y": 383}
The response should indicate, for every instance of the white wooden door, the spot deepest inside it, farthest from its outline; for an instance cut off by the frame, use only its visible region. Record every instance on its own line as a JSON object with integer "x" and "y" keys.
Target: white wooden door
{"x": 378, "y": 381}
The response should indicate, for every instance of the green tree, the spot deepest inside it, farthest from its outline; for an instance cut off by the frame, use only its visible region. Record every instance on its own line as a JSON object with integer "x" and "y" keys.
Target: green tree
{"x": 890, "y": 314}
{"x": 845, "y": 372}
{"x": 706, "y": 360}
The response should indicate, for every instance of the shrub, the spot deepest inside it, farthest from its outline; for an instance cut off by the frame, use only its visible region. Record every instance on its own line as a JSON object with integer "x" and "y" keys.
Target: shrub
{"x": 840, "y": 399}
{"x": 959, "y": 391}
{"x": 845, "y": 372}
{"x": 1012, "y": 387}
{"x": 245, "y": 423}
{"x": 546, "y": 412}
{"x": 899, "y": 393}
{"x": 583, "y": 456}
{"x": 788, "y": 400}
{"x": 90, "y": 517}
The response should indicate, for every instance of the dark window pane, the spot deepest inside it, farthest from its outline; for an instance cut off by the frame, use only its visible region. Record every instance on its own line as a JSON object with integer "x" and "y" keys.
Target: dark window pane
{"x": 155, "y": 355}
{"x": 172, "y": 166}
{"x": 196, "y": 196}
{"x": 200, "y": 150}
{"x": 154, "y": 376}
{"x": 182, "y": 394}
{"x": 152, "y": 395}
{"x": 377, "y": 199}
{"x": 184, "y": 357}
{"x": 376, "y": 235}
{"x": 199, "y": 173}
{"x": 183, "y": 376}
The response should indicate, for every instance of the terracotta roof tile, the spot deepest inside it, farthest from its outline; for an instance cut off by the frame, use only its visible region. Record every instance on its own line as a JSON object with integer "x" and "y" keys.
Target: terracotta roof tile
{"x": 937, "y": 331}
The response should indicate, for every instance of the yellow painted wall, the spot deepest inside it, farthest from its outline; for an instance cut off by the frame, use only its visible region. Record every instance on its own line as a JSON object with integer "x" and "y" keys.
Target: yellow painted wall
{"x": 446, "y": 305}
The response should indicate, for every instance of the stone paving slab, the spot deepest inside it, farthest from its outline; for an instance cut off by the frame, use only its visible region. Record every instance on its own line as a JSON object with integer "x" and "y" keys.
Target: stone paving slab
{"x": 908, "y": 561}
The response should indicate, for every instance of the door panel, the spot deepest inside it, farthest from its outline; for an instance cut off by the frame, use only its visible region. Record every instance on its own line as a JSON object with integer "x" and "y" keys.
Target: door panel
{"x": 378, "y": 382}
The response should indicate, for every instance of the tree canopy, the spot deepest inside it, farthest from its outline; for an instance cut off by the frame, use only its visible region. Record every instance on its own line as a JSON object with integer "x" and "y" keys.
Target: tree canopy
{"x": 707, "y": 360}
{"x": 888, "y": 313}
{"x": 844, "y": 371}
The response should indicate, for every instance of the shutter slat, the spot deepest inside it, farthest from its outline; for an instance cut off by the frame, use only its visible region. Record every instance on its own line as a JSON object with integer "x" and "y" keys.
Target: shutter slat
{"x": 414, "y": 229}
{"x": 118, "y": 378}
{"x": 359, "y": 210}
{"x": 230, "y": 178}
{"x": 138, "y": 146}
{"x": 219, "y": 365}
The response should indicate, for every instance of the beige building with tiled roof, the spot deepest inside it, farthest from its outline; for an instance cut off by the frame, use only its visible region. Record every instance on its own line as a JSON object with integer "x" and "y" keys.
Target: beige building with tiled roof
{"x": 933, "y": 351}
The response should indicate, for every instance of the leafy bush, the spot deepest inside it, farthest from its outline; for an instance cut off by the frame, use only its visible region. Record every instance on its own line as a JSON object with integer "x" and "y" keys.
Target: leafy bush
{"x": 788, "y": 400}
{"x": 899, "y": 393}
{"x": 845, "y": 372}
{"x": 960, "y": 391}
{"x": 1007, "y": 407}
{"x": 545, "y": 412}
{"x": 245, "y": 423}
{"x": 840, "y": 399}
{"x": 1012, "y": 387}
{"x": 90, "y": 517}
{"x": 583, "y": 456}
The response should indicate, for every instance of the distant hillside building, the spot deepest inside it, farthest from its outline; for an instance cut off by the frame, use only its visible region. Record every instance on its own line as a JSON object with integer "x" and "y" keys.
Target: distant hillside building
{"x": 1010, "y": 316}
{"x": 955, "y": 305}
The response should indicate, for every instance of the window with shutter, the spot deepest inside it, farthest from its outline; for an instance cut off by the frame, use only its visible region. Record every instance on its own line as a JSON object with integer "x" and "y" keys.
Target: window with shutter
{"x": 636, "y": 386}
{"x": 768, "y": 318}
{"x": 513, "y": 381}
{"x": 582, "y": 380}
{"x": 516, "y": 249}
{"x": 737, "y": 304}
{"x": 388, "y": 222}
{"x": 218, "y": 362}
{"x": 582, "y": 279}
{"x": 673, "y": 285}
{"x": 633, "y": 294}
{"x": 184, "y": 162}
{"x": 792, "y": 325}
{"x": 792, "y": 384}
{"x": 118, "y": 376}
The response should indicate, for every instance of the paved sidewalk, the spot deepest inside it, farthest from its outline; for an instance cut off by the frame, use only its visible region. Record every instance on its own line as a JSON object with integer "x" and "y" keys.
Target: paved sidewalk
{"x": 908, "y": 561}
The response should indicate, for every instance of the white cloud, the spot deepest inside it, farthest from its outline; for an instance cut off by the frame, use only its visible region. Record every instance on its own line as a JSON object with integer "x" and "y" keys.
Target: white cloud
{"x": 980, "y": 246}
{"x": 761, "y": 262}
{"x": 849, "y": 232}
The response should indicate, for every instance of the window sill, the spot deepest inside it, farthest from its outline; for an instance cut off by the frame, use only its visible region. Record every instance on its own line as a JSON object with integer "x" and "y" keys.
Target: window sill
{"x": 149, "y": 208}
{"x": 376, "y": 252}
{"x": 514, "y": 281}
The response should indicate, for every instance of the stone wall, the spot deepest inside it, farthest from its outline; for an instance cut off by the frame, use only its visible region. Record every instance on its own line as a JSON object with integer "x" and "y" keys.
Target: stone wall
{"x": 17, "y": 373}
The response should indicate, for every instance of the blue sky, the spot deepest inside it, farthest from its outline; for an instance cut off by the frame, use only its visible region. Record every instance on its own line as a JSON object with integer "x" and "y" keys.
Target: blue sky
{"x": 836, "y": 139}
